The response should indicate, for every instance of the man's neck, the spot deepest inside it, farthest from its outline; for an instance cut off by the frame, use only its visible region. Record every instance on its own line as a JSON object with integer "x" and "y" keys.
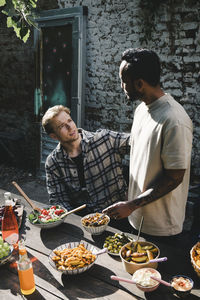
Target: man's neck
{"x": 73, "y": 149}
{"x": 152, "y": 95}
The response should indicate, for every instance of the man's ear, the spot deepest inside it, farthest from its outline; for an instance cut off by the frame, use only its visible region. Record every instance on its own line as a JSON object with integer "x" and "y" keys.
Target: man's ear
{"x": 139, "y": 83}
{"x": 53, "y": 136}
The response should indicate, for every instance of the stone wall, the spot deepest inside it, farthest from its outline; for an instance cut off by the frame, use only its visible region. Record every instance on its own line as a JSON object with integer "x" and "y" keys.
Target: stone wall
{"x": 169, "y": 27}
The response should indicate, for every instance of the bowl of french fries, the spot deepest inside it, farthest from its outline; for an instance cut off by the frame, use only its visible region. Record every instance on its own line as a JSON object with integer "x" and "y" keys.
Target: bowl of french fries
{"x": 137, "y": 255}
{"x": 73, "y": 258}
{"x": 195, "y": 257}
{"x": 95, "y": 223}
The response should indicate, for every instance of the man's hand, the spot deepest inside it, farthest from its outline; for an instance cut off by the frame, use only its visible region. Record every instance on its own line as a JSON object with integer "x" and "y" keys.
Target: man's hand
{"x": 119, "y": 210}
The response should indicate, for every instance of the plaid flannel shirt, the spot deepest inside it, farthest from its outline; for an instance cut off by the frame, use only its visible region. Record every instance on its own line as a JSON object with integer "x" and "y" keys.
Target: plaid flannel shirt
{"x": 102, "y": 153}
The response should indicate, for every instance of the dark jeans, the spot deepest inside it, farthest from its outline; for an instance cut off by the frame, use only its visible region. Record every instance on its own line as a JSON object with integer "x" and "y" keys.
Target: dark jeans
{"x": 123, "y": 225}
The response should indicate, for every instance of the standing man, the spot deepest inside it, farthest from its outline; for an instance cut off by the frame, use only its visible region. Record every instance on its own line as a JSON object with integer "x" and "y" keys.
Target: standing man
{"x": 161, "y": 143}
{"x": 85, "y": 167}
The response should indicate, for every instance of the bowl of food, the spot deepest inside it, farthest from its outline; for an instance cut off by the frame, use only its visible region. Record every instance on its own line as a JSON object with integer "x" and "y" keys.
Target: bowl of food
{"x": 182, "y": 285}
{"x": 195, "y": 257}
{"x": 143, "y": 280}
{"x": 73, "y": 258}
{"x": 138, "y": 255}
{"x": 95, "y": 223}
{"x": 115, "y": 242}
{"x": 5, "y": 251}
{"x": 49, "y": 217}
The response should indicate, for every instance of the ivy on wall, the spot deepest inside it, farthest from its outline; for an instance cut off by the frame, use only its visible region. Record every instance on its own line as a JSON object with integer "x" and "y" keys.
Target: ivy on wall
{"x": 19, "y": 16}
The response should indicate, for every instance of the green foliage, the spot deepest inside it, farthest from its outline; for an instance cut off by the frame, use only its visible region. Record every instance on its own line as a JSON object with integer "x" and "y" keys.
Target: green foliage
{"x": 19, "y": 16}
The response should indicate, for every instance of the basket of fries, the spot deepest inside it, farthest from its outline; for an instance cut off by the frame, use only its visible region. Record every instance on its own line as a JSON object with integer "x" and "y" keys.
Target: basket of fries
{"x": 195, "y": 257}
{"x": 73, "y": 258}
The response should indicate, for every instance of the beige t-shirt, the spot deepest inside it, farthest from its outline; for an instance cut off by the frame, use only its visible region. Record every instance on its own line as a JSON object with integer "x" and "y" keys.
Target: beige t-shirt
{"x": 161, "y": 136}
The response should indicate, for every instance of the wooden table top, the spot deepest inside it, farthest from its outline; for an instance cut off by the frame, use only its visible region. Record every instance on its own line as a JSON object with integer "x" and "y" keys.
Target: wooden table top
{"x": 94, "y": 283}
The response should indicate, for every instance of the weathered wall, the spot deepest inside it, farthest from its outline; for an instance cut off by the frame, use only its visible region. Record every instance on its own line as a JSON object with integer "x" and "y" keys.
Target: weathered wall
{"x": 171, "y": 28}
{"x": 19, "y": 135}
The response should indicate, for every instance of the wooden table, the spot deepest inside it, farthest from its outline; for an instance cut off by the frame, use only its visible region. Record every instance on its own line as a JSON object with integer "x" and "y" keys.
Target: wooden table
{"x": 96, "y": 282}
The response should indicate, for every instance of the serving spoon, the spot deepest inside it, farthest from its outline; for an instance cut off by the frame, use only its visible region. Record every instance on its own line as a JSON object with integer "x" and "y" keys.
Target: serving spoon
{"x": 38, "y": 209}
{"x": 26, "y": 197}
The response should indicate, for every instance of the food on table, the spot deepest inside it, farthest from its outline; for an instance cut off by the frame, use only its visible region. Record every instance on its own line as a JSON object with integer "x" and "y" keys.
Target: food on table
{"x": 143, "y": 277}
{"x": 48, "y": 215}
{"x": 137, "y": 253}
{"x": 95, "y": 220}
{"x": 181, "y": 283}
{"x": 114, "y": 242}
{"x": 196, "y": 254}
{"x": 73, "y": 258}
{"x": 4, "y": 249}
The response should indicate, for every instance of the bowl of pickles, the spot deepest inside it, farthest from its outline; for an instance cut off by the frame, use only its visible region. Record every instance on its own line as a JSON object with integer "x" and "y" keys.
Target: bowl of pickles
{"x": 137, "y": 255}
{"x": 115, "y": 242}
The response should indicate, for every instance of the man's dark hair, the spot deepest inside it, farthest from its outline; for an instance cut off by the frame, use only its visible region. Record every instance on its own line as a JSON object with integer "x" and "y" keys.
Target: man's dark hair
{"x": 141, "y": 64}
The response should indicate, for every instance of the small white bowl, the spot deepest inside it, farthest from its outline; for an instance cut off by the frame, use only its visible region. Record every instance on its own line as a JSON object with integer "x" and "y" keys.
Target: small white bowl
{"x": 147, "y": 288}
{"x": 96, "y": 230}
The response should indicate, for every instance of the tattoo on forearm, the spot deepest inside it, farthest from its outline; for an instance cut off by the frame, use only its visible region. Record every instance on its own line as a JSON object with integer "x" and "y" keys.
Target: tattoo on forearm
{"x": 166, "y": 185}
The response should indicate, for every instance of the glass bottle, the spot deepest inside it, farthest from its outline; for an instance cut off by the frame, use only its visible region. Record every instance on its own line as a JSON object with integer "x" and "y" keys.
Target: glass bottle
{"x": 25, "y": 271}
{"x": 10, "y": 231}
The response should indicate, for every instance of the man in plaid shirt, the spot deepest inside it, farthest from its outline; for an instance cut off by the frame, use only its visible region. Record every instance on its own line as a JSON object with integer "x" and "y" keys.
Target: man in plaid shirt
{"x": 85, "y": 167}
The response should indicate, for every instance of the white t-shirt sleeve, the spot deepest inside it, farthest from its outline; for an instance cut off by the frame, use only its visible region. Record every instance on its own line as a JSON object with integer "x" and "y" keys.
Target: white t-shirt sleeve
{"x": 176, "y": 149}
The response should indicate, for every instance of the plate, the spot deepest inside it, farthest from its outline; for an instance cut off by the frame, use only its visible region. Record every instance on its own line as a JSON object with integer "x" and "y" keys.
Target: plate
{"x": 129, "y": 235}
{"x": 50, "y": 224}
{"x": 5, "y": 259}
{"x": 73, "y": 245}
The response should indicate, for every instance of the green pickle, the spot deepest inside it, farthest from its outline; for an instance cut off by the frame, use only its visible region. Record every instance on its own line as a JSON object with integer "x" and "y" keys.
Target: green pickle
{"x": 115, "y": 242}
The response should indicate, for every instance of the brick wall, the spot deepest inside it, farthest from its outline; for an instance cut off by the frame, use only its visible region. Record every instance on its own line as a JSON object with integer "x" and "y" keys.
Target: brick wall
{"x": 171, "y": 28}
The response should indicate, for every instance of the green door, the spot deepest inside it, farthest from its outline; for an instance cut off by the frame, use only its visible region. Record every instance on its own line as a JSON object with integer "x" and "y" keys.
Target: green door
{"x": 60, "y": 67}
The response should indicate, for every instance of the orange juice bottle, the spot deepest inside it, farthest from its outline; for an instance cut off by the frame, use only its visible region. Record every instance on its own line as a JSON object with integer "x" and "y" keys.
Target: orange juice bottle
{"x": 10, "y": 231}
{"x": 25, "y": 271}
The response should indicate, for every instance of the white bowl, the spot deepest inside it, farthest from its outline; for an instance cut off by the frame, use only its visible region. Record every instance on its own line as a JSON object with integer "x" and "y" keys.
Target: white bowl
{"x": 5, "y": 259}
{"x": 50, "y": 224}
{"x": 96, "y": 230}
{"x": 194, "y": 256}
{"x": 73, "y": 245}
{"x": 147, "y": 288}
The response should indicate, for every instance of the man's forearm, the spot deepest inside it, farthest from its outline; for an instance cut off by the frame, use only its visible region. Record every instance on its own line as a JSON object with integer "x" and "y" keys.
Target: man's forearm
{"x": 161, "y": 187}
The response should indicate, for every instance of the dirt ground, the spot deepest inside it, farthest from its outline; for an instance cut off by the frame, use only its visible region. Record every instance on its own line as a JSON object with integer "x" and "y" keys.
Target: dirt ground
{"x": 30, "y": 184}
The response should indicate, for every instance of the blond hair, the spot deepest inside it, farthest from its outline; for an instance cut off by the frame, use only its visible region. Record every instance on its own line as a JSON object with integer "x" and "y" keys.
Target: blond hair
{"x": 50, "y": 114}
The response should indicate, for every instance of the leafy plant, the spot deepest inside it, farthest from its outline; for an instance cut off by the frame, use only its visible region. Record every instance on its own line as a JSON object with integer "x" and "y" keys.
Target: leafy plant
{"x": 19, "y": 16}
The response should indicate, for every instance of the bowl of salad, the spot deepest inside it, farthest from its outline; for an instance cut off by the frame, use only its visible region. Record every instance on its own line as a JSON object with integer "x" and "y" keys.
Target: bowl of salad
{"x": 49, "y": 217}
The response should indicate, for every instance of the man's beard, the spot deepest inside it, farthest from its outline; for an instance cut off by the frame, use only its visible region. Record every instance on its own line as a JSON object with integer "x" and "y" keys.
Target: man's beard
{"x": 134, "y": 96}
